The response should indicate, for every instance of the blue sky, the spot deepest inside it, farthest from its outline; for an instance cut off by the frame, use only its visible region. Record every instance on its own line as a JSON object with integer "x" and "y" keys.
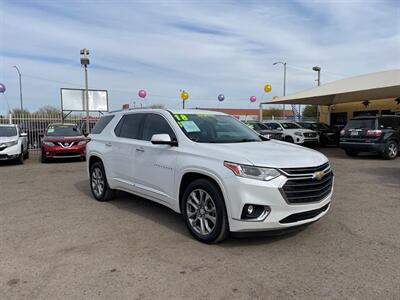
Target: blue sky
{"x": 205, "y": 47}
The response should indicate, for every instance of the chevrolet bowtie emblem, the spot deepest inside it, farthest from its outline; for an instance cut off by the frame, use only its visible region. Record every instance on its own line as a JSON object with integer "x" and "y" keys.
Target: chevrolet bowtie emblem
{"x": 318, "y": 175}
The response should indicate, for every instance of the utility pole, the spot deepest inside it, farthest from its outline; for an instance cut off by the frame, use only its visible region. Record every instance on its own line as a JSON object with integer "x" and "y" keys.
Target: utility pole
{"x": 20, "y": 87}
{"x": 284, "y": 82}
{"x": 84, "y": 63}
{"x": 318, "y": 70}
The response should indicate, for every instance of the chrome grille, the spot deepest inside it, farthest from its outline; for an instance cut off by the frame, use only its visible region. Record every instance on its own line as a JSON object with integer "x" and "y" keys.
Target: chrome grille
{"x": 304, "y": 186}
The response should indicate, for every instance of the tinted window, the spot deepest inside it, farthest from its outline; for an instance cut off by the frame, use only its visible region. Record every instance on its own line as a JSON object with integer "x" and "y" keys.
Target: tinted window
{"x": 307, "y": 125}
{"x": 8, "y": 131}
{"x": 273, "y": 125}
{"x": 361, "y": 124}
{"x": 210, "y": 128}
{"x": 387, "y": 122}
{"x": 63, "y": 130}
{"x": 156, "y": 124}
{"x": 257, "y": 126}
{"x": 101, "y": 124}
{"x": 129, "y": 126}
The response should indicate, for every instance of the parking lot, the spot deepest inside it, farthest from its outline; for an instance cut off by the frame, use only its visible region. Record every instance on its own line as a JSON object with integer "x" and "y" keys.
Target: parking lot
{"x": 56, "y": 242}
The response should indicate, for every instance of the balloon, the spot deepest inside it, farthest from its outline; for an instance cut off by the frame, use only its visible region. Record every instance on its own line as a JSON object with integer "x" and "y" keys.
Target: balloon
{"x": 142, "y": 94}
{"x": 253, "y": 99}
{"x": 184, "y": 95}
{"x": 2, "y": 88}
{"x": 275, "y": 97}
{"x": 267, "y": 88}
{"x": 221, "y": 97}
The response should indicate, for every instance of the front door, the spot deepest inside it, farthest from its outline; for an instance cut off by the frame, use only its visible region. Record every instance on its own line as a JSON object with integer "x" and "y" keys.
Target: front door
{"x": 155, "y": 165}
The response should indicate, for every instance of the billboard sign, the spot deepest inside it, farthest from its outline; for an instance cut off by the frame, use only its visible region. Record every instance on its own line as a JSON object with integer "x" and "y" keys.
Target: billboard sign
{"x": 74, "y": 100}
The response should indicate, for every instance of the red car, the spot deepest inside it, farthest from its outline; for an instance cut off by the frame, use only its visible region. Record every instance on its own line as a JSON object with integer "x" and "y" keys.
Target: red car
{"x": 63, "y": 141}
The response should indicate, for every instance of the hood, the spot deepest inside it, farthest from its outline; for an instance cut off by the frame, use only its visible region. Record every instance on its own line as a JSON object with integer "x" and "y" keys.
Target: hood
{"x": 299, "y": 130}
{"x": 6, "y": 139}
{"x": 271, "y": 153}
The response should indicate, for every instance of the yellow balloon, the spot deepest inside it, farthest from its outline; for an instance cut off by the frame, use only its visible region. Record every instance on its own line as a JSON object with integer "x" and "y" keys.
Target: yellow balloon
{"x": 267, "y": 88}
{"x": 184, "y": 95}
{"x": 275, "y": 97}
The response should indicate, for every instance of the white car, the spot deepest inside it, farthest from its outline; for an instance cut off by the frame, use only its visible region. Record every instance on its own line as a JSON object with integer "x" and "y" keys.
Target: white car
{"x": 218, "y": 173}
{"x": 13, "y": 143}
{"x": 294, "y": 133}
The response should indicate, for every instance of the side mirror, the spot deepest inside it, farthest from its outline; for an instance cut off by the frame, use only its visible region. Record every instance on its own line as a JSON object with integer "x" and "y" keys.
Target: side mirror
{"x": 279, "y": 128}
{"x": 163, "y": 139}
{"x": 23, "y": 134}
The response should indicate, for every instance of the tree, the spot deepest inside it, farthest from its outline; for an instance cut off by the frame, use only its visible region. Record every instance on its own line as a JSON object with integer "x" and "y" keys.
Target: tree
{"x": 18, "y": 111}
{"x": 310, "y": 111}
{"x": 49, "y": 110}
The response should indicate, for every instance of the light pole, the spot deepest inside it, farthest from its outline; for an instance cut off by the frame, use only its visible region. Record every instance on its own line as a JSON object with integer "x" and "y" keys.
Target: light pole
{"x": 318, "y": 70}
{"x": 284, "y": 81}
{"x": 20, "y": 86}
{"x": 84, "y": 63}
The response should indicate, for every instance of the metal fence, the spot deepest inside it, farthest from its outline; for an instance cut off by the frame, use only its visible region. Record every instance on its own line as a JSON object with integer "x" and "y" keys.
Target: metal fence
{"x": 34, "y": 125}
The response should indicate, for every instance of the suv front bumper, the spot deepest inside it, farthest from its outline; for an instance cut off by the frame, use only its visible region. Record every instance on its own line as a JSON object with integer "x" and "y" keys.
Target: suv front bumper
{"x": 12, "y": 152}
{"x": 244, "y": 191}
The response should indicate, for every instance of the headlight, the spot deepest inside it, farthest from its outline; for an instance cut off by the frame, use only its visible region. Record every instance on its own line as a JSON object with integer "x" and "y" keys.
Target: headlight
{"x": 12, "y": 143}
{"x": 258, "y": 173}
{"x": 48, "y": 143}
{"x": 298, "y": 133}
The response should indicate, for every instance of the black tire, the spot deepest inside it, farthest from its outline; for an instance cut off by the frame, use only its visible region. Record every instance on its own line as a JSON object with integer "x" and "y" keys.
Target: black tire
{"x": 351, "y": 153}
{"x": 44, "y": 158}
{"x": 220, "y": 230}
{"x": 391, "y": 150}
{"x": 20, "y": 159}
{"x": 289, "y": 139}
{"x": 26, "y": 155}
{"x": 105, "y": 194}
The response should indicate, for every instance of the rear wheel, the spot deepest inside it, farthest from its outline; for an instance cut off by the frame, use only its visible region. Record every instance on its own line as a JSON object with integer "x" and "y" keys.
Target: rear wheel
{"x": 204, "y": 211}
{"x": 391, "y": 150}
{"x": 351, "y": 153}
{"x": 98, "y": 183}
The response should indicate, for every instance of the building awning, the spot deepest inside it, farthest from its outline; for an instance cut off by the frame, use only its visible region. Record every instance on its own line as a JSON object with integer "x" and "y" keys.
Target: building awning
{"x": 380, "y": 85}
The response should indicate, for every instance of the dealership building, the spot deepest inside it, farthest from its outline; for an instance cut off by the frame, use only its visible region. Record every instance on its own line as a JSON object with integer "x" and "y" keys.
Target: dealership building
{"x": 339, "y": 101}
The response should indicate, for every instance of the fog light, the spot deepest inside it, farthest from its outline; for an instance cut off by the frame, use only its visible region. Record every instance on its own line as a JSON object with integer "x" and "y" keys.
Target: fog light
{"x": 252, "y": 212}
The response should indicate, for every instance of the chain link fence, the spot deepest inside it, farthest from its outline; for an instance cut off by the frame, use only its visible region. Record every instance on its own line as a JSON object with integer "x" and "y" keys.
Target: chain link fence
{"x": 34, "y": 125}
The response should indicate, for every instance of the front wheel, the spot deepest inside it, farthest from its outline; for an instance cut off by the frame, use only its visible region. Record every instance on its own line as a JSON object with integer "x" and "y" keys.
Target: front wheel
{"x": 204, "y": 211}
{"x": 391, "y": 150}
{"x": 289, "y": 139}
{"x": 98, "y": 183}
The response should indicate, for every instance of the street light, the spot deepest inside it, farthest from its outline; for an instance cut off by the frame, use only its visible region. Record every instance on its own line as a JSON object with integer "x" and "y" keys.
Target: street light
{"x": 284, "y": 81}
{"x": 84, "y": 63}
{"x": 318, "y": 70}
{"x": 20, "y": 86}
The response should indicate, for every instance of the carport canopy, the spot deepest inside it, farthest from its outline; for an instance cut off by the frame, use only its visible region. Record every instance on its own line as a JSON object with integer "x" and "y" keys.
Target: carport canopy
{"x": 374, "y": 86}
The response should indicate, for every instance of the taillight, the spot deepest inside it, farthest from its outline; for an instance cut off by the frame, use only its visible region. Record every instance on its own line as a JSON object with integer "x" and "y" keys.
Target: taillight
{"x": 374, "y": 133}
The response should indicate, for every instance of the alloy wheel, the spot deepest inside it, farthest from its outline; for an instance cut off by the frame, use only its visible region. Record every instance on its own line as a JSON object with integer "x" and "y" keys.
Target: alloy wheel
{"x": 98, "y": 182}
{"x": 201, "y": 212}
{"x": 392, "y": 150}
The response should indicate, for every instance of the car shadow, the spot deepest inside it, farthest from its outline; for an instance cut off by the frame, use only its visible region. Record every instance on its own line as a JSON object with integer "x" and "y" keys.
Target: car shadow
{"x": 164, "y": 216}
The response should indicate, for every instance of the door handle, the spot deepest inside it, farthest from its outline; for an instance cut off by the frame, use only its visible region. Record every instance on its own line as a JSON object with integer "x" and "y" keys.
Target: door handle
{"x": 108, "y": 144}
{"x": 139, "y": 150}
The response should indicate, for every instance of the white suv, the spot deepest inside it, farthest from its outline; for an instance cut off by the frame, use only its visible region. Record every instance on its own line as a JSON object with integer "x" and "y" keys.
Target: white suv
{"x": 294, "y": 133}
{"x": 13, "y": 143}
{"x": 214, "y": 170}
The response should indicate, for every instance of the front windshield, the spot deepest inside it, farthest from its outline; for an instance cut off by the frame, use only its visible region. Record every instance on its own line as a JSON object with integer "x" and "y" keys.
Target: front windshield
{"x": 63, "y": 130}
{"x": 257, "y": 126}
{"x": 290, "y": 125}
{"x": 209, "y": 128}
{"x": 8, "y": 131}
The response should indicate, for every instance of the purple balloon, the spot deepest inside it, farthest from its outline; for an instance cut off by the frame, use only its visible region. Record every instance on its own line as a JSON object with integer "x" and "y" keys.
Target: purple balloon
{"x": 253, "y": 99}
{"x": 221, "y": 97}
{"x": 142, "y": 93}
{"x": 2, "y": 88}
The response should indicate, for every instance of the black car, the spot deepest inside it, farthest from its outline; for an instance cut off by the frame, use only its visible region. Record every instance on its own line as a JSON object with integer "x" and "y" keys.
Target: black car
{"x": 263, "y": 130}
{"x": 380, "y": 134}
{"x": 328, "y": 136}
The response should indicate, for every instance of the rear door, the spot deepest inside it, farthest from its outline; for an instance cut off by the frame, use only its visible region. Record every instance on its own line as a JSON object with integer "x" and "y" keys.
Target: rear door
{"x": 155, "y": 165}
{"x": 122, "y": 149}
